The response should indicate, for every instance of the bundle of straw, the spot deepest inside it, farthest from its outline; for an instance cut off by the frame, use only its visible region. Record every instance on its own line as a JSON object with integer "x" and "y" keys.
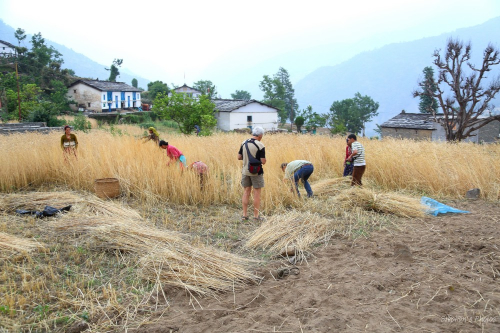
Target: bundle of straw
{"x": 331, "y": 186}
{"x": 38, "y": 200}
{"x": 165, "y": 256}
{"x": 198, "y": 269}
{"x": 387, "y": 203}
{"x": 15, "y": 244}
{"x": 293, "y": 229}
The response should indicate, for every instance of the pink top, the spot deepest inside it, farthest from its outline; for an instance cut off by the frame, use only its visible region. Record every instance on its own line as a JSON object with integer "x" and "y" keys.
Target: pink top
{"x": 173, "y": 152}
{"x": 200, "y": 167}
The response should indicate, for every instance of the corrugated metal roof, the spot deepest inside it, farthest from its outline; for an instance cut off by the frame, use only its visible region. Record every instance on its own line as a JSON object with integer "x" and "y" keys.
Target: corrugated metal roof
{"x": 107, "y": 85}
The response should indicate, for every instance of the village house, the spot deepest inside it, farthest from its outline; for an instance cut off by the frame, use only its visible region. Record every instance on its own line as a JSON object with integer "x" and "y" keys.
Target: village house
{"x": 191, "y": 92}
{"x": 236, "y": 113}
{"x": 7, "y": 49}
{"x": 104, "y": 96}
{"x": 424, "y": 126}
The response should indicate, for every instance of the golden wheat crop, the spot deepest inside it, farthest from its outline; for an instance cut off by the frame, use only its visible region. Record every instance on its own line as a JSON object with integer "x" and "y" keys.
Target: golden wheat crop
{"x": 436, "y": 169}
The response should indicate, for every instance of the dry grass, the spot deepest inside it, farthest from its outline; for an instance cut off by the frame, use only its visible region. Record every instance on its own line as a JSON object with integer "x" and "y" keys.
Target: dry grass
{"x": 387, "y": 203}
{"x": 436, "y": 169}
{"x": 13, "y": 244}
{"x": 292, "y": 230}
{"x": 330, "y": 186}
{"x": 113, "y": 266}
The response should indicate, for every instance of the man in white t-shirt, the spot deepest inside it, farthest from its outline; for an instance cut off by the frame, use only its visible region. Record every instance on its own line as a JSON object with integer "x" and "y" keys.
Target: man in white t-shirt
{"x": 358, "y": 158}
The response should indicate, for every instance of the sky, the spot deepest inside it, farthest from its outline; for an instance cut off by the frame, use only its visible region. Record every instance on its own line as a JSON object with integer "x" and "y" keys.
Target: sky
{"x": 178, "y": 41}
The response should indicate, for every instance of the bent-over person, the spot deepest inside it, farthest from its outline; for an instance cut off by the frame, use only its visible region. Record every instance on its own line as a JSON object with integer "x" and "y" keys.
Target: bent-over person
{"x": 296, "y": 170}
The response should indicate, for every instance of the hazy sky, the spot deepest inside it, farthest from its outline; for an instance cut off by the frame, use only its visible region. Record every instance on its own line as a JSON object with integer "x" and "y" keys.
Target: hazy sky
{"x": 162, "y": 40}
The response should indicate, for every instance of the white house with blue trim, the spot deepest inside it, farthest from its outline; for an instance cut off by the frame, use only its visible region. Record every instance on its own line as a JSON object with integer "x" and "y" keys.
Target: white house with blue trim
{"x": 104, "y": 96}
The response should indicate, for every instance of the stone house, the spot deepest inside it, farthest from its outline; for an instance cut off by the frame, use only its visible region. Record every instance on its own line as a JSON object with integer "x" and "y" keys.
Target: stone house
{"x": 423, "y": 126}
{"x": 102, "y": 96}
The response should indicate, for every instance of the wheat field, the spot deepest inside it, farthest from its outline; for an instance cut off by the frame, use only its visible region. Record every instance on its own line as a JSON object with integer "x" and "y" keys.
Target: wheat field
{"x": 430, "y": 168}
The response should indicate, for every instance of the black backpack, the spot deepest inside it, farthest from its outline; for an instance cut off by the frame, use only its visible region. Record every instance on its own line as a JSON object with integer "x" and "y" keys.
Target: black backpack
{"x": 254, "y": 165}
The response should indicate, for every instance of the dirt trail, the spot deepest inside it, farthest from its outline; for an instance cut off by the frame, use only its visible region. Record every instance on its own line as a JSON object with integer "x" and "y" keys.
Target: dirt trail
{"x": 438, "y": 274}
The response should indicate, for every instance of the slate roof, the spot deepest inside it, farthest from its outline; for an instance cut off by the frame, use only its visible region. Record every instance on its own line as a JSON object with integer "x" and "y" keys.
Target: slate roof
{"x": 228, "y": 105}
{"x": 7, "y": 43}
{"x": 412, "y": 121}
{"x": 186, "y": 86}
{"x": 107, "y": 85}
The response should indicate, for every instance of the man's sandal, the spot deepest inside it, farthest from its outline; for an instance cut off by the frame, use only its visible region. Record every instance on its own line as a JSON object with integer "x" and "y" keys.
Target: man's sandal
{"x": 244, "y": 218}
{"x": 258, "y": 219}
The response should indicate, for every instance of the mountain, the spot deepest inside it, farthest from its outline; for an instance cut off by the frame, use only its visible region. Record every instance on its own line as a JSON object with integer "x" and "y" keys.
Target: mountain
{"x": 389, "y": 74}
{"x": 82, "y": 65}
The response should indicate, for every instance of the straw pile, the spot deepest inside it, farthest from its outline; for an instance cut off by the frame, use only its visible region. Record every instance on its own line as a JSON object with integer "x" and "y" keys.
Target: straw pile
{"x": 331, "y": 186}
{"x": 81, "y": 204}
{"x": 165, "y": 256}
{"x": 291, "y": 230}
{"x": 387, "y": 203}
{"x": 38, "y": 200}
{"x": 12, "y": 243}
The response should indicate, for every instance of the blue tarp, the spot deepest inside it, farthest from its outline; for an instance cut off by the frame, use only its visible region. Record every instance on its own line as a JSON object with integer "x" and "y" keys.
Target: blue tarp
{"x": 435, "y": 207}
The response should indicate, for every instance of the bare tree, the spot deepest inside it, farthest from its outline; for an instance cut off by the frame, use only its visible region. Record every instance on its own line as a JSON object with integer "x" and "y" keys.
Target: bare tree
{"x": 468, "y": 108}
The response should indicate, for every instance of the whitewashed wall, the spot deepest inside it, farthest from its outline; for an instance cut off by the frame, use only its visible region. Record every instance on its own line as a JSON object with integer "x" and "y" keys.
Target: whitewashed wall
{"x": 99, "y": 99}
{"x": 262, "y": 116}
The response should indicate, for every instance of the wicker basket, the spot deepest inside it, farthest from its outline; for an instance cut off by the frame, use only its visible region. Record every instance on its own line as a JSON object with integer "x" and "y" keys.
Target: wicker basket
{"x": 107, "y": 188}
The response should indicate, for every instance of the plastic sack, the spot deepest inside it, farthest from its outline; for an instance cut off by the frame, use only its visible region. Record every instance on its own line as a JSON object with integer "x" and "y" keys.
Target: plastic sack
{"x": 435, "y": 207}
{"x": 47, "y": 211}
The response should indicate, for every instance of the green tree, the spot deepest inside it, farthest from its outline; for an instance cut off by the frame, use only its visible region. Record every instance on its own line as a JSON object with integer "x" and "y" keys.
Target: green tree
{"x": 299, "y": 121}
{"x": 351, "y": 115}
{"x": 273, "y": 95}
{"x": 279, "y": 92}
{"x": 113, "y": 70}
{"x": 206, "y": 87}
{"x": 20, "y": 36}
{"x": 428, "y": 103}
{"x": 157, "y": 87}
{"x": 134, "y": 82}
{"x": 313, "y": 120}
{"x": 465, "y": 111}
{"x": 241, "y": 94}
{"x": 186, "y": 111}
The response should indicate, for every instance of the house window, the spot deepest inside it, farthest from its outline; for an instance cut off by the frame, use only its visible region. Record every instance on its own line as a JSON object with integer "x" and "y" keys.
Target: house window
{"x": 103, "y": 97}
{"x": 249, "y": 119}
{"x": 74, "y": 90}
{"x": 88, "y": 104}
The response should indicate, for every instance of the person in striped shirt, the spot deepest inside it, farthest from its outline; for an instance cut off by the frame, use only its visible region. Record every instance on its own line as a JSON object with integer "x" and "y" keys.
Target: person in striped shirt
{"x": 358, "y": 158}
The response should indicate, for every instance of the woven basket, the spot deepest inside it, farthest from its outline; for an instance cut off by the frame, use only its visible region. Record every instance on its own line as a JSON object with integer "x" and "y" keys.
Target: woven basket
{"x": 107, "y": 188}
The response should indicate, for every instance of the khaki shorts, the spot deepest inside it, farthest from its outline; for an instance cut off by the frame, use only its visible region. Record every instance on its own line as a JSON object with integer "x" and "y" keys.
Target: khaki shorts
{"x": 252, "y": 181}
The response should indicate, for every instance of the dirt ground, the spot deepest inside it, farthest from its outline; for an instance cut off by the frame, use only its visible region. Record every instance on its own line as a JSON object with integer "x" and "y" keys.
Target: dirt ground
{"x": 437, "y": 274}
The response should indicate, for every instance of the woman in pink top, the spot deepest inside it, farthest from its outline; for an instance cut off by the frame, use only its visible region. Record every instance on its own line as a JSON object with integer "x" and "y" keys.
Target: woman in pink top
{"x": 174, "y": 154}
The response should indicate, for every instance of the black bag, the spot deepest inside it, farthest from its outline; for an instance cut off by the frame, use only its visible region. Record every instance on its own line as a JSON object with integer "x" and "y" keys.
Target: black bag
{"x": 254, "y": 165}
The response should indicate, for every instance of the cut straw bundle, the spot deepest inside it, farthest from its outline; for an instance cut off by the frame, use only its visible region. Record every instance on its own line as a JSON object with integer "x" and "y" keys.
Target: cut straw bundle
{"x": 387, "y": 203}
{"x": 293, "y": 229}
{"x": 165, "y": 256}
{"x": 12, "y": 243}
{"x": 198, "y": 269}
{"x": 38, "y": 200}
{"x": 331, "y": 186}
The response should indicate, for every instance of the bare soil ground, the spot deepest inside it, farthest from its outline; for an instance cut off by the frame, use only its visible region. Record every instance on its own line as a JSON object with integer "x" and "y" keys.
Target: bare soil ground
{"x": 437, "y": 274}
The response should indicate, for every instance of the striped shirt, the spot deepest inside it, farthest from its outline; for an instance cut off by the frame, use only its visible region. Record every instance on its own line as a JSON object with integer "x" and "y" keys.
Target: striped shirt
{"x": 359, "y": 158}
